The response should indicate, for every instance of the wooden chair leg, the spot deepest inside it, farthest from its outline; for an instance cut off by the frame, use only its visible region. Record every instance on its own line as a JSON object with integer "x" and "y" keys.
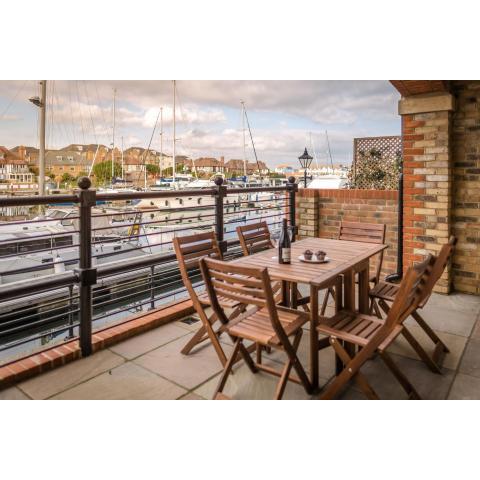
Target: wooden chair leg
{"x": 292, "y": 356}
{"x": 228, "y": 368}
{"x": 428, "y": 330}
{"x": 331, "y": 292}
{"x": 282, "y": 383}
{"x": 421, "y": 351}
{"x": 346, "y": 374}
{"x": 248, "y": 359}
{"x": 198, "y": 337}
{"x": 402, "y": 379}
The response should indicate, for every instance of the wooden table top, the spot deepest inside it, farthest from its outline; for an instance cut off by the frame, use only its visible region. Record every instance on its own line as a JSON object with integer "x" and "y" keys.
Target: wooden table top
{"x": 343, "y": 255}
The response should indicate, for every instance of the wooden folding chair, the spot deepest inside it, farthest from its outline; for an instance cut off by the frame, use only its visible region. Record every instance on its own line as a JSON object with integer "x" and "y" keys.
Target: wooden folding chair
{"x": 189, "y": 250}
{"x": 360, "y": 232}
{"x": 371, "y": 335}
{"x": 264, "y": 322}
{"x": 254, "y": 238}
{"x": 384, "y": 293}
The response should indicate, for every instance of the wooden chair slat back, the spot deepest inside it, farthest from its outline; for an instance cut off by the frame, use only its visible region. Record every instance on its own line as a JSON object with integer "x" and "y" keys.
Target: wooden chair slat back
{"x": 411, "y": 291}
{"x": 248, "y": 285}
{"x": 362, "y": 232}
{"x": 254, "y": 238}
{"x": 237, "y": 283}
{"x": 365, "y": 232}
{"x": 190, "y": 249}
{"x": 442, "y": 260}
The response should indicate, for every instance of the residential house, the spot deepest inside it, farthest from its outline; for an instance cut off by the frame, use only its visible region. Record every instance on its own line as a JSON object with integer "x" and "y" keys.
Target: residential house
{"x": 29, "y": 154}
{"x": 73, "y": 162}
{"x": 13, "y": 169}
{"x": 209, "y": 165}
{"x": 284, "y": 169}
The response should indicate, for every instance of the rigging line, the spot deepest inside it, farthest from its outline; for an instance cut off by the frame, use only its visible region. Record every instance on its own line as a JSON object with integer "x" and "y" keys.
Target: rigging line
{"x": 102, "y": 112}
{"x": 90, "y": 111}
{"x": 62, "y": 125}
{"x": 251, "y": 139}
{"x": 329, "y": 151}
{"x": 72, "y": 122}
{"x": 20, "y": 89}
{"x": 80, "y": 111}
{"x": 51, "y": 84}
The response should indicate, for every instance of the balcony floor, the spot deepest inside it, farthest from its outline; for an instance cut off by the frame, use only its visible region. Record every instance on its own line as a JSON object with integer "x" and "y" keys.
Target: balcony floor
{"x": 150, "y": 365}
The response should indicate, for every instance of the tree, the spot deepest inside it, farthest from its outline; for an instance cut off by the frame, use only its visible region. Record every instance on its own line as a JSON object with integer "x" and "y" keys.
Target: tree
{"x": 33, "y": 169}
{"x": 153, "y": 169}
{"x": 103, "y": 171}
{"x": 67, "y": 178}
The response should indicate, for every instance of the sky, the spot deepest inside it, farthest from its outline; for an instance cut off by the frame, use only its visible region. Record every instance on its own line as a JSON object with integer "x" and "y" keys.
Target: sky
{"x": 284, "y": 116}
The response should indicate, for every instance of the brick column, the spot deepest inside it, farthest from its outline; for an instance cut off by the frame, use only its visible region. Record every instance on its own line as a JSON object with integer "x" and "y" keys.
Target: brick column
{"x": 428, "y": 175}
{"x": 306, "y": 213}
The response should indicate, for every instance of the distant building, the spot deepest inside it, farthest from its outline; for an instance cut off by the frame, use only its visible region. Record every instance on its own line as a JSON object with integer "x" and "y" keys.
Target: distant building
{"x": 284, "y": 169}
{"x": 73, "y": 162}
{"x": 209, "y": 165}
{"x": 13, "y": 169}
{"x": 236, "y": 167}
{"x": 29, "y": 154}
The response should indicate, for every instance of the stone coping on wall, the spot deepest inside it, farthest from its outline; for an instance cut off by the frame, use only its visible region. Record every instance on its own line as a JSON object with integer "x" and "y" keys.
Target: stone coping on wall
{"x": 55, "y": 356}
{"x": 347, "y": 193}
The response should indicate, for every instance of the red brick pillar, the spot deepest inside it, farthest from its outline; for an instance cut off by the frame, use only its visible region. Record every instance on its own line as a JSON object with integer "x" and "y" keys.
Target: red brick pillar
{"x": 428, "y": 175}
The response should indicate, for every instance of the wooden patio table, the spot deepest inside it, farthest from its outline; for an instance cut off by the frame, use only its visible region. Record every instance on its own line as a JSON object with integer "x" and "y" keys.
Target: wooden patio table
{"x": 346, "y": 258}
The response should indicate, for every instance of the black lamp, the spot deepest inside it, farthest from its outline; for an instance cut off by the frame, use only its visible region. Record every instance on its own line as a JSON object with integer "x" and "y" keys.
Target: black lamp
{"x": 305, "y": 162}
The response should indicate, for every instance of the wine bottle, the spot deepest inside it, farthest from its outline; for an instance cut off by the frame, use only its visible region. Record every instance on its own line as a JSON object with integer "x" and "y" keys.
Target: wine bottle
{"x": 284, "y": 255}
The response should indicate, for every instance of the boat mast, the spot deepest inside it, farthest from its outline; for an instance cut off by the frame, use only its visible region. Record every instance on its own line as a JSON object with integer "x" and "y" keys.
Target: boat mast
{"x": 41, "y": 154}
{"x": 329, "y": 151}
{"x": 244, "y": 143}
{"x": 113, "y": 136}
{"x": 161, "y": 141}
{"x": 174, "y": 132}
{"x": 123, "y": 166}
{"x": 313, "y": 150}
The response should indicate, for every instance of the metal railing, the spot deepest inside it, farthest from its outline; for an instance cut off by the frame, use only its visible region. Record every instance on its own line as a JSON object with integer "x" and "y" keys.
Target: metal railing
{"x": 97, "y": 269}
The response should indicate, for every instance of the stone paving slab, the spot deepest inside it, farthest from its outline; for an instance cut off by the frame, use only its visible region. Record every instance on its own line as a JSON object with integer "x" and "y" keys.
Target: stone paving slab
{"x": 60, "y": 379}
{"x": 188, "y": 371}
{"x": 12, "y": 393}
{"x": 465, "y": 387}
{"x": 140, "y": 344}
{"x": 126, "y": 382}
{"x": 470, "y": 364}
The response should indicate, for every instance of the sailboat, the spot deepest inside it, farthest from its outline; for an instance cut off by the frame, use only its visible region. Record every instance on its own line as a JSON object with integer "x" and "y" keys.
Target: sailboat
{"x": 326, "y": 177}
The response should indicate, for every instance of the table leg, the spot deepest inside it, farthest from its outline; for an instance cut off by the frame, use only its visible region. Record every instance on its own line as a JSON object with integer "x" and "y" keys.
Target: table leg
{"x": 349, "y": 290}
{"x": 349, "y": 304}
{"x": 314, "y": 337}
{"x": 363, "y": 287}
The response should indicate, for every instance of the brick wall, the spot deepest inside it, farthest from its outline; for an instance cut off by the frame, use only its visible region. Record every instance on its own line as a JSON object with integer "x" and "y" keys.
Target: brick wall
{"x": 319, "y": 213}
{"x": 466, "y": 187}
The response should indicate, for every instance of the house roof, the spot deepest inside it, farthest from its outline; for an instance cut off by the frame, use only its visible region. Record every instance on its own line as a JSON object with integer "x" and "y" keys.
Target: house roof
{"x": 208, "y": 162}
{"x": 7, "y": 156}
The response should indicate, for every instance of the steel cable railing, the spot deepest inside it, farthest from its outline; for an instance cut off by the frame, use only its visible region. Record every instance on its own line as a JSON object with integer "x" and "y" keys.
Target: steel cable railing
{"x": 120, "y": 258}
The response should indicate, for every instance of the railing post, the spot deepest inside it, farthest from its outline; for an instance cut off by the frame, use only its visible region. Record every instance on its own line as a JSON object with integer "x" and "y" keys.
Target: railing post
{"x": 219, "y": 226}
{"x": 292, "y": 189}
{"x": 87, "y": 276}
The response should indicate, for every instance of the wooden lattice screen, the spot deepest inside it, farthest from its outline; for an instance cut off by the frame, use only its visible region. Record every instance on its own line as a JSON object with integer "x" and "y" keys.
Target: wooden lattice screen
{"x": 375, "y": 163}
